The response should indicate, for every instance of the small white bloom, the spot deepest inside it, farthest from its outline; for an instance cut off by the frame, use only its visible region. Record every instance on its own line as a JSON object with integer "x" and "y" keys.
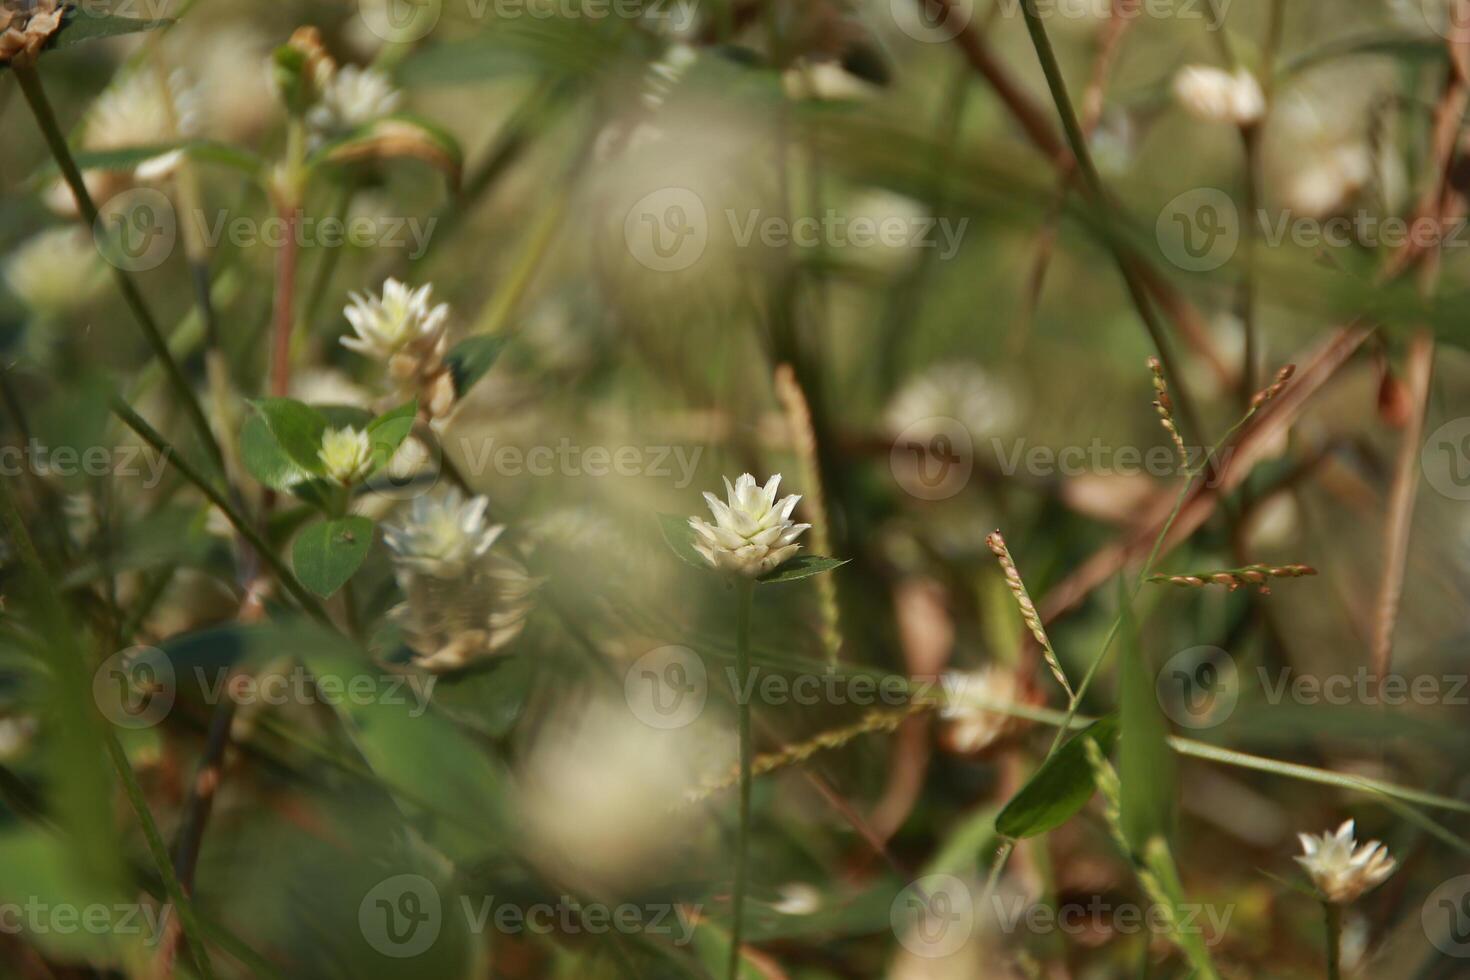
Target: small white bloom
{"x": 798, "y": 898}
{"x": 463, "y": 602}
{"x": 55, "y": 272}
{"x": 138, "y": 111}
{"x": 15, "y": 735}
{"x": 969, "y": 725}
{"x": 353, "y": 97}
{"x": 1215, "y": 95}
{"x": 826, "y": 81}
{"x": 1341, "y": 868}
{"x": 400, "y": 320}
{"x": 347, "y": 454}
{"x": 443, "y": 534}
{"x": 985, "y": 404}
{"x": 752, "y": 533}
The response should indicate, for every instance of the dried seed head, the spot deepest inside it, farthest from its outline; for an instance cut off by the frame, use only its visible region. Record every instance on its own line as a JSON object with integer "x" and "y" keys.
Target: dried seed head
{"x": 26, "y": 26}
{"x": 1032, "y": 618}
{"x": 1164, "y": 405}
{"x": 1277, "y": 386}
{"x": 1234, "y": 578}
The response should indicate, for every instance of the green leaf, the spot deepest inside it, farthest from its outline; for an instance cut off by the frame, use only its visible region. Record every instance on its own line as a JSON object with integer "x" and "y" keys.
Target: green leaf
{"x": 265, "y": 459}
{"x": 1060, "y": 788}
{"x": 326, "y": 555}
{"x": 1146, "y": 764}
{"x": 85, "y": 26}
{"x": 397, "y": 138}
{"x": 800, "y": 567}
{"x": 387, "y": 432}
{"x": 471, "y": 359}
{"x": 679, "y": 536}
{"x": 298, "y": 430}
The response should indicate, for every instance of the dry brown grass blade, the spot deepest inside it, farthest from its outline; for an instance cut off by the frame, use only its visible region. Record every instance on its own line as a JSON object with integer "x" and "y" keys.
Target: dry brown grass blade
{"x": 1419, "y": 370}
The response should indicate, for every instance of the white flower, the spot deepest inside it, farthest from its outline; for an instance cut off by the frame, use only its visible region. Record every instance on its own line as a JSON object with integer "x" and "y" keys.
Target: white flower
{"x": 1341, "y": 868}
{"x": 463, "y": 602}
{"x": 54, "y": 272}
{"x": 352, "y": 97}
{"x": 826, "y": 81}
{"x": 399, "y": 321}
{"x": 985, "y": 405}
{"x": 1220, "y": 96}
{"x": 443, "y": 534}
{"x": 969, "y": 726}
{"x": 347, "y": 454}
{"x": 752, "y": 533}
{"x": 138, "y": 111}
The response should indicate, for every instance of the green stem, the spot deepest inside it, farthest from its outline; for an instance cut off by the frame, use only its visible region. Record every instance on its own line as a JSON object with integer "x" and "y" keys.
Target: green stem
{"x": 30, "y": 86}
{"x": 247, "y": 530}
{"x": 1077, "y": 143}
{"x": 744, "y": 601}
{"x": 1333, "y": 914}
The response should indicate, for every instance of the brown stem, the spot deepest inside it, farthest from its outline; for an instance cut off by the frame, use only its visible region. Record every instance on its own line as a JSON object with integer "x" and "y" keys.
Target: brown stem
{"x": 285, "y": 308}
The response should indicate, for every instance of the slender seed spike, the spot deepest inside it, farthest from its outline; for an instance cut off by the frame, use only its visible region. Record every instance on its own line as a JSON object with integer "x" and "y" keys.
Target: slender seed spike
{"x": 1029, "y": 614}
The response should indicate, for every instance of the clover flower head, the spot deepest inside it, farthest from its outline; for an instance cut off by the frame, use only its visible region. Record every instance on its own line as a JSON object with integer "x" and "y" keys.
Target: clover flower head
{"x": 26, "y": 26}
{"x": 352, "y": 97}
{"x": 347, "y": 454}
{"x": 753, "y": 532}
{"x": 396, "y": 322}
{"x": 1341, "y": 868}
{"x": 463, "y": 602}
{"x": 54, "y": 272}
{"x": 442, "y": 535}
{"x": 1215, "y": 95}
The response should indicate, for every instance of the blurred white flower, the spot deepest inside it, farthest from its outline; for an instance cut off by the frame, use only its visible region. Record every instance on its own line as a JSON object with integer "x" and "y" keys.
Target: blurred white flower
{"x": 1341, "y": 868}
{"x": 969, "y": 727}
{"x": 347, "y": 454}
{"x": 983, "y": 403}
{"x": 753, "y": 532}
{"x": 602, "y": 795}
{"x": 327, "y": 386}
{"x": 1220, "y": 96}
{"x": 353, "y": 97}
{"x": 140, "y": 111}
{"x": 798, "y": 898}
{"x": 463, "y": 602}
{"x": 15, "y": 735}
{"x": 55, "y": 272}
{"x": 826, "y": 81}
{"x": 1323, "y": 181}
{"x": 442, "y": 534}
{"x": 666, "y": 73}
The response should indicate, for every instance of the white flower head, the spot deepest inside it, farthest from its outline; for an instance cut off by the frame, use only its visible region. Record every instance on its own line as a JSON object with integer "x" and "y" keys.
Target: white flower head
{"x": 1341, "y": 868}
{"x": 398, "y": 321}
{"x": 970, "y": 726}
{"x": 463, "y": 602}
{"x": 442, "y": 535}
{"x": 352, "y": 97}
{"x": 753, "y": 532}
{"x": 347, "y": 454}
{"x": 55, "y": 272}
{"x": 1215, "y": 95}
{"x": 138, "y": 110}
